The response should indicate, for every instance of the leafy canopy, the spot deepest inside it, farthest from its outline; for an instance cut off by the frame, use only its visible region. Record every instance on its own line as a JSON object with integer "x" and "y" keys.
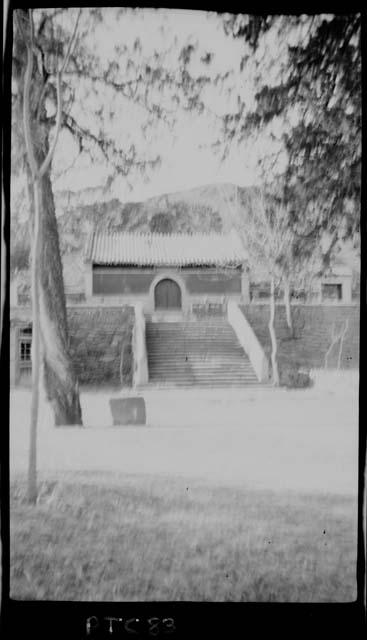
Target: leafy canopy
{"x": 308, "y": 75}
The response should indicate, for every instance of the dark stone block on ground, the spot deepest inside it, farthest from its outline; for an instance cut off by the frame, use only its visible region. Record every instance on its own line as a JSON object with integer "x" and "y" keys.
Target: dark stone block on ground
{"x": 126, "y": 411}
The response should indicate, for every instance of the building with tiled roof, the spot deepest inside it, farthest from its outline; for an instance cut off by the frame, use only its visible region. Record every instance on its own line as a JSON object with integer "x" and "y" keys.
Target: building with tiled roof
{"x": 126, "y": 287}
{"x": 165, "y": 272}
{"x": 158, "y": 249}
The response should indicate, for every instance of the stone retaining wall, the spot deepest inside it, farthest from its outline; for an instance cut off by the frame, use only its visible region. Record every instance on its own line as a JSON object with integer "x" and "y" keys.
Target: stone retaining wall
{"x": 313, "y": 326}
{"x": 101, "y": 344}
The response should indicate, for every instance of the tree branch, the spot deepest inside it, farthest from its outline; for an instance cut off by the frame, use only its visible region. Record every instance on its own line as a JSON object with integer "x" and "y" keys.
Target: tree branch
{"x": 106, "y": 146}
{"x": 43, "y": 92}
{"x": 31, "y": 26}
{"x": 47, "y": 161}
{"x": 18, "y": 21}
{"x": 71, "y": 44}
{"x": 26, "y": 114}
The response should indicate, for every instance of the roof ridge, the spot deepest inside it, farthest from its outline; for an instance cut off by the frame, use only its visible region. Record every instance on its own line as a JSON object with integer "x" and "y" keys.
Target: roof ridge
{"x": 111, "y": 246}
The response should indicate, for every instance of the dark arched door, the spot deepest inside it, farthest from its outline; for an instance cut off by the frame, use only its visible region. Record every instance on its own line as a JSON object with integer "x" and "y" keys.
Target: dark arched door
{"x": 167, "y": 295}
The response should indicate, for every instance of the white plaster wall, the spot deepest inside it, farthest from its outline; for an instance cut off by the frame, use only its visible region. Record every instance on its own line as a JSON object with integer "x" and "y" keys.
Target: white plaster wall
{"x": 140, "y": 373}
{"x": 248, "y": 341}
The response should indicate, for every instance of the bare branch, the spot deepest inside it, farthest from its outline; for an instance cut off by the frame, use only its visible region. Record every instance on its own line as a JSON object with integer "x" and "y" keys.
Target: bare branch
{"x": 38, "y": 114}
{"x": 107, "y": 147}
{"x": 26, "y": 114}
{"x": 71, "y": 44}
{"x": 47, "y": 161}
{"x": 335, "y": 337}
{"x": 19, "y": 23}
{"x": 31, "y": 26}
{"x": 342, "y": 336}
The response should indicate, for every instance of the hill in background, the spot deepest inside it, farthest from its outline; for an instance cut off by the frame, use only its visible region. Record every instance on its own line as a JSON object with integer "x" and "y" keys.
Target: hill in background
{"x": 202, "y": 209}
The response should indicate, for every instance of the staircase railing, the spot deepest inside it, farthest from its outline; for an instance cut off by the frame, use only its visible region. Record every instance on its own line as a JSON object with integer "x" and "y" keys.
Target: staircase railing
{"x": 140, "y": 373}
{"x": 248, "y": 341}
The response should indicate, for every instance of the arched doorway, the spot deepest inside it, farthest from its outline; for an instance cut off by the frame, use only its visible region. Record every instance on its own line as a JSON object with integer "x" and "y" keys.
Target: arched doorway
{"x": 167, "y": 295}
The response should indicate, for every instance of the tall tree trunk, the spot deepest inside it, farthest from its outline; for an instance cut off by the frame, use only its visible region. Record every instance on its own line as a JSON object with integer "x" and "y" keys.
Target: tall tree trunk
{"x": 36, "y": 356}
{"x": 61, "y": 383}
{"x": 287, "y": 303}
{"x": 274, "y": 347}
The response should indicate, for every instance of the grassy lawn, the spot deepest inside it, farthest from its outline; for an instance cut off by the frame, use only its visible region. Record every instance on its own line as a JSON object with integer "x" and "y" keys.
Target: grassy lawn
{"x": 110, "y": 536}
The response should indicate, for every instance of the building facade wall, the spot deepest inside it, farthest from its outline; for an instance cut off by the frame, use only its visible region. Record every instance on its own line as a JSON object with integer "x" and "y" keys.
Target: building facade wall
{"x": 13, "y": 360}
{"x": 100, "y": 345}
{"x": 116, "y": 285}
{"x": 345, "y": 283}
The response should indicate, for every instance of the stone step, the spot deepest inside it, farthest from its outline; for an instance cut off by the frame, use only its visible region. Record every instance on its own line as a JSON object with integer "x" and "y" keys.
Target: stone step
{"x": 203, "y": 372}
{"x": 199, "y": 367}
{"x": 203, "y": 377}
{"x": 217, "y": 381}
{"x": 194, "y": 355}
{"x": 235, "y": 366}
{"x": 189, "y": 338}
{"x": 207, "y": 365}
{"x": 193, "y": 330}
{"x": 198, "y": 345}
{"x": 166, "y": 335}
{"x": 161, "y": 337}
{"x": 209, "y": 348}
{"x": 203, "y": 354}
{"x": 223, "y": 362}
{"x": 195, "y": 338}
{"x": 193, "y": 380}
{"x": 213, "y": 374}
{"x": 184, "y": 351}
{"x": 212, "y": 322}
{"x": 200, "y": 361}
{"x": 199, "y": 370}
{"x": 199, "y": 348}
{"x": 178, "y": 332}
{"x": 205, "y": 344}
{"x": 210, "y": 362}
{"x": 196, "y": 383}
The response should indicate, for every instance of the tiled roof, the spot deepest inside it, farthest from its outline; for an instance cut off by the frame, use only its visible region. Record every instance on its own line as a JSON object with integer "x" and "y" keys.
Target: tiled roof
{"x": 178, "y": 249}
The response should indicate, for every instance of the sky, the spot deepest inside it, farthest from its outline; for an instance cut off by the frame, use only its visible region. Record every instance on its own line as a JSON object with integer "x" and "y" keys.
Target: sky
{"x": 188, "y": 159}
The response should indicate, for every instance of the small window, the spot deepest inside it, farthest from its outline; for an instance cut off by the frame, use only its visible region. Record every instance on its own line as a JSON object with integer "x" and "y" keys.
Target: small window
{"x": 25, "y": 350}
{"x": 331, "y": 291}
{"x": 25, "y": 344}
{"x": 26, "y": 331}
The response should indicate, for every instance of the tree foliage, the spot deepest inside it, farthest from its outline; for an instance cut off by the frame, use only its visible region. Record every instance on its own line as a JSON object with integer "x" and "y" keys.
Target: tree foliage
{"x": 161, "y": 222}
{"x": 316, "y": 103}
{"x": 106, "y": 90}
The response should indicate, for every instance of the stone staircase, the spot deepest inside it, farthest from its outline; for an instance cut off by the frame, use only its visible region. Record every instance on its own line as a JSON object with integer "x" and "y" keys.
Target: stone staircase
{"x": 205, "y": 353}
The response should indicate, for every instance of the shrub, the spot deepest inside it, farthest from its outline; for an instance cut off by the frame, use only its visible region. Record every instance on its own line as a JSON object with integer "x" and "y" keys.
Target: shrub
{"x": 294, "y": 378}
